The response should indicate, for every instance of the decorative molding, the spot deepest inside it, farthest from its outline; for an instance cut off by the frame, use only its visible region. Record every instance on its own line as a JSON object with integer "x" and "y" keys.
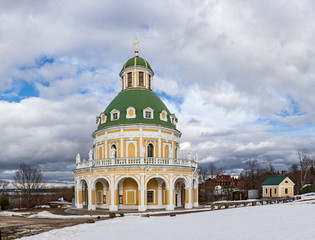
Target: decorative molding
{"x": 130, "y": 109}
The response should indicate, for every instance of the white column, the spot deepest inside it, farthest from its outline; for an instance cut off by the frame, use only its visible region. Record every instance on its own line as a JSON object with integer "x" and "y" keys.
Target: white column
{"x": 121, "y": 144}
{"x": 142, "y": 207}
{"x": 189, "y": 204}
{"x": 171, "y": 195}
{"x": 196, "y": 203}
{"x": 93, "y": 206}
{"x": 89, "y": 198}
{"x": 179, "y": 197}
{"x": 160, "y": 194}
{"x": 159, "y": 136}
{"x": 112, "y": 206}
{"x": 105, "y": 149}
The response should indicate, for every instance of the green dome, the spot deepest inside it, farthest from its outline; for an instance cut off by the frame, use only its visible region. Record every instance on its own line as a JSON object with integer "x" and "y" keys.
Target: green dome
{"x": 136, "y": 61}
{"x": 139, "y": 99}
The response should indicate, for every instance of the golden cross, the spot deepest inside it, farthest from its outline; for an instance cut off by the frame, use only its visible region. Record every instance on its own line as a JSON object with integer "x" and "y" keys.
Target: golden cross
{"x": 136, "y": 44}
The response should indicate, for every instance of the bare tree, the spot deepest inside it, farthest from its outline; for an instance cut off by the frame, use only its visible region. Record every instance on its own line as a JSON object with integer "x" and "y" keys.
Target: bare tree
{"x": 29, "y": 181}
{"x": 3, "y": 186}
{"x": 306, "y": 162}
{"x": 270, "y": 168}
{"x": 203, "y": 173}
{"x": 213, "y": 170}
{"x": 294, "y": 175}
{"x": 251, "y": 170}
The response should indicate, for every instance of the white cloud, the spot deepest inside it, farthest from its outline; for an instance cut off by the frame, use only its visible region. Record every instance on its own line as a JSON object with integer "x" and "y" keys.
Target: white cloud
{"x": 228, "y": 67}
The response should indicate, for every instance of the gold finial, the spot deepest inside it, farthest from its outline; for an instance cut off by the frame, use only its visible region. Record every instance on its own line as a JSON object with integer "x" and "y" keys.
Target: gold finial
{"x": 136, "y": 44}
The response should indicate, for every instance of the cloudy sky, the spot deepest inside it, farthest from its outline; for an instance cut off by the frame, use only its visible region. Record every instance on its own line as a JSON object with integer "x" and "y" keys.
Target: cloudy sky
{"x": 238, "y": 74}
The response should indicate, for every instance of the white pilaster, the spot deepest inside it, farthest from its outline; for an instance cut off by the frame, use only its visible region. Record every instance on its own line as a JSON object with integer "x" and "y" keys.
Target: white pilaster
{"x": 160, "y": 193}
{"x": 121, "y": 143}
{"x": 112, "y": 206}
{"x": 189, "y": 204}
{"x": 170, "y": 206}
{"x": 159, "y": 142}
{"x": 142, "y": 207}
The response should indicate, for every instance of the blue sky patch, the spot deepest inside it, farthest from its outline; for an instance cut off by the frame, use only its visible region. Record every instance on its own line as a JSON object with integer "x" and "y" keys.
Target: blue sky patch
{"x": 292, "y": 110}
{"x": 21, "y": 90}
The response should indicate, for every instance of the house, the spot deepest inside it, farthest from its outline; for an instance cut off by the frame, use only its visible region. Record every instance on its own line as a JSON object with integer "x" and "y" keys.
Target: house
{"x": 281, "y": 186}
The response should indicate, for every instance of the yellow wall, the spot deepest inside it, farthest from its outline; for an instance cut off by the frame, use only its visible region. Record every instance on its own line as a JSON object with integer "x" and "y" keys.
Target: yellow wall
{"x": 131, "y": 150}
{"x": 131, "y": 185}
{"x": 166, "y": 151}
{"x": 99, "y": 197}
{"x": 153, "y": 185}
{"x": 290, "y": 191}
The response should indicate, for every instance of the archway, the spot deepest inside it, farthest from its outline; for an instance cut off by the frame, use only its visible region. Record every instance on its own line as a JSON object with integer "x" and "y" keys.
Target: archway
{"x": 128, "y": 193}
{"x": 101, "y": 186}
{"x": 156, "y": 195}
{"x": 180, "y": 193}
{"x": 84, "y": 193}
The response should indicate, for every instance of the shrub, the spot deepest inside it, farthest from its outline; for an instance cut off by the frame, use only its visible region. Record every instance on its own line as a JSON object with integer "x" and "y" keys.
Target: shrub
{"x": 308, "y": 189}
{"x": 4, "y": 202}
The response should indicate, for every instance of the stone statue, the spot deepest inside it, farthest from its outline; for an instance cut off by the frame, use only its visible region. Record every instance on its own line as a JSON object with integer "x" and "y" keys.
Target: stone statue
{"x": 91, "y": 154}
{"x": 171, "y": 153}
{"x": 77, "y": 159}
{"x": 189, "y": 154}
{"x": 112, "y": 152}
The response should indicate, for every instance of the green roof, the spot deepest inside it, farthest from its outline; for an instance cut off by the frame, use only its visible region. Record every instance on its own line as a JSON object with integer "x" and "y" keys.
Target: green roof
{"x": 136, "y": 61}
{"x": 138, "y": 99}
{"x": 274, "y": 180}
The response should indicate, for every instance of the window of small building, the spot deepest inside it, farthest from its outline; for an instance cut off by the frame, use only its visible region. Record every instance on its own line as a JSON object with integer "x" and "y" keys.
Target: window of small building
{"x": 286, "y": 191}
{"x": 129, "y": 79}
{"x": 150, "y": 196}
{"x": 266, "y": 190}
{"x": 275, "y": 190}
{"x": 286, "y": 181}
{"x": 141, "y": 81}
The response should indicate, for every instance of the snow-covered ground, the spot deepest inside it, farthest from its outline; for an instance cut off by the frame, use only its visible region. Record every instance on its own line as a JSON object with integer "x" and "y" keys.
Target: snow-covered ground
{"x": 294, "y": 220}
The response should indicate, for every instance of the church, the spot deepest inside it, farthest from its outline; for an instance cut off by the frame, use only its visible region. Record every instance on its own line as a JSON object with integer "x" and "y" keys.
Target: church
{"x": 135, "y": 161}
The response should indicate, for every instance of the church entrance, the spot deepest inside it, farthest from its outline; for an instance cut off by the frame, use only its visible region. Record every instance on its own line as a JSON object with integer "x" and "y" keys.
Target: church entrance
{"x": 180, "y": 194}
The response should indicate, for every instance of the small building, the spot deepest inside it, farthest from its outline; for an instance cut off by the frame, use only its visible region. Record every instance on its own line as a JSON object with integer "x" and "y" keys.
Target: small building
{"x": 281, "y": 186}
{"x": 253, "y": 194}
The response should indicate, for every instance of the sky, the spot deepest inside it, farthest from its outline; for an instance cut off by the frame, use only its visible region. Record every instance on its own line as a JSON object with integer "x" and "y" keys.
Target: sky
{"x": 239, "y": 75}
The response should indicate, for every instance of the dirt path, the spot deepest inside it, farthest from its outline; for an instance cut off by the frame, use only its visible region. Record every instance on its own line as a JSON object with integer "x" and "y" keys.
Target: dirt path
{"x": 13, "y": 227}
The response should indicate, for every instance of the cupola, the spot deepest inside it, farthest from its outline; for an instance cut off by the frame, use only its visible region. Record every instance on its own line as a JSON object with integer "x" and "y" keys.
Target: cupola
{"x": 136, "y": 72}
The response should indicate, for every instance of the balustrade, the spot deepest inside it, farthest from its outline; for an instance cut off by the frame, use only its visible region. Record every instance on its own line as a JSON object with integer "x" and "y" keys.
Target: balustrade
{"x": 137, "y": 161}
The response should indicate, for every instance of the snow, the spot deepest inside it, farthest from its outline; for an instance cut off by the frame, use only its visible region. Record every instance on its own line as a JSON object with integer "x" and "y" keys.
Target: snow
{"x": 17, "y": 214}
{"x": 290, "y": 221}
{"x": 46, "y": 214}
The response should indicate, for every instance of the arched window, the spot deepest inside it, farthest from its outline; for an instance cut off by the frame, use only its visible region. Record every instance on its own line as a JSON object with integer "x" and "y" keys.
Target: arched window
{"x": 150, "y": 87}
{"x": 150, "y": 150}
{"x": 129, "y": 79}
{"x": 141, "y": 83}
